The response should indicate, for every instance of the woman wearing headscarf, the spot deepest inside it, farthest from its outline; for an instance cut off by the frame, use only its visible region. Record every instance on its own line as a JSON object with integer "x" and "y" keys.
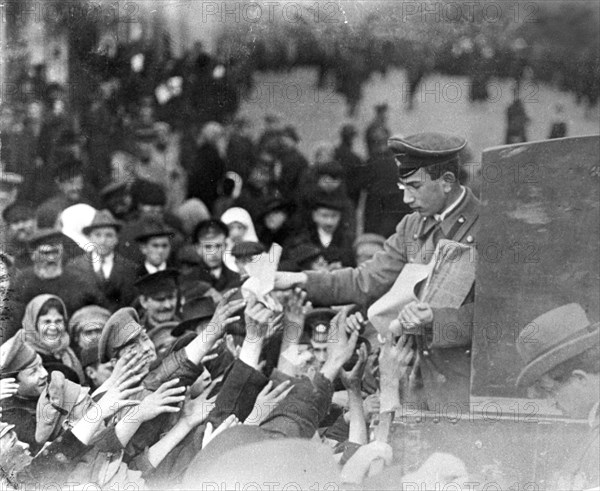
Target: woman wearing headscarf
{"x": 241, "y": 229}
{"x": 45, "y": 331}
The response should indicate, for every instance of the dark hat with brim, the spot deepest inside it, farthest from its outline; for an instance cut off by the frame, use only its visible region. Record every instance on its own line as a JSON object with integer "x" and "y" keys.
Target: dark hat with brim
{"x": 329, "y": 202}
{"x": 276, "y": 204}
{"x": 193, "y": 312}
{"x": 159, "y": 282}
{"x": 247, "y": 249}
{"x": 102, "y": 219}
{"x": 45, "y": 236}
{"x": 561, "y": 334}
{"x": 153, "y": 228}
{"x": 211, "y": 226}
{"x": 304, "y": 254}
{"x": 114, "y": 188}
{"x": 424, "y": 150}
{"x": 18, "y": 213}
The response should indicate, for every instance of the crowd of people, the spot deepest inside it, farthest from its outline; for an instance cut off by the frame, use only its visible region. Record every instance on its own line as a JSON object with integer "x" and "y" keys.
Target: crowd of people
{"x": 132, "y": 353}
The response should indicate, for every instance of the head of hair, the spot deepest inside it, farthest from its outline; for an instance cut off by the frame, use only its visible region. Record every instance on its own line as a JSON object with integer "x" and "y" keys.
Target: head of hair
{"x": 50, "y": 304}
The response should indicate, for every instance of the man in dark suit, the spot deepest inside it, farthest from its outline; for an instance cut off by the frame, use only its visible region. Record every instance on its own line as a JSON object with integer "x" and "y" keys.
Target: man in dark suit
{"x": 154, "y": 239}
{"x": 113, "y": 274}
{"x": 209, "y": 240}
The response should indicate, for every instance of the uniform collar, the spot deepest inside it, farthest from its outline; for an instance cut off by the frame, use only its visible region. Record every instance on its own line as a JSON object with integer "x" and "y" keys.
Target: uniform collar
{"x": 440, "y": 217}
{"x": 462, "y": 216}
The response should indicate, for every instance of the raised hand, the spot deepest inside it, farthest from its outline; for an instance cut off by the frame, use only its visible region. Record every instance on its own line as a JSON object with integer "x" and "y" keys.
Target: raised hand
{"x": 267, "y": 400}
{"x": 163, "y": 400}
{"x": 224, "y": 312}
{"x": 257, "y": 318}
{"x": 352, "y": 379}
{"x": 122, "y": 388}
{"x": 394, "y": 359}
{"x": 296, "y": 307}
{"x": 340, "y": 346}
{"x": 370, "y": 383}
{"x": 195, "y": 411}
{"x": 8, "y": 387}
{"x": 210, "y": 433}
{"x": 130, "y": 364}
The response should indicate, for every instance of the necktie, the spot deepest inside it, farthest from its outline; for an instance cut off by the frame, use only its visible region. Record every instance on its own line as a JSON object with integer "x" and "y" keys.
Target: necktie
{"x": 101, "y": 274}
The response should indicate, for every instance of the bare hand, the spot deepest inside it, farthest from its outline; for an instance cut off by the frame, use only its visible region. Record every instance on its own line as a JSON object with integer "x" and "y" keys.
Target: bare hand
{"x": 257, "y": 318}
{"x": 116, "y": 397}
{"x": 224, "y": 313}
{"x": 210, "y": 433}
{"x": 161, "y": 401}
{"x": 267, "y": 400}
{"x": 340, "y": 345}
{"x": 352, "y": 379}
{"x": 414, "y": 316}
{"x": 371, "y": 405}
{"x": 195, "y": 411}
{"x": 394, "y": 359}
{"x": 8, "y": 388}
{"x": 296, "y": 307}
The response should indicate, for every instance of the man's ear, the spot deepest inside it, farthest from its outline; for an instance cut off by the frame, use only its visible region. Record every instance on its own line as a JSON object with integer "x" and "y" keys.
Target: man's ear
{"x": 449, "y": 177}
{"x": 89, "y": 371}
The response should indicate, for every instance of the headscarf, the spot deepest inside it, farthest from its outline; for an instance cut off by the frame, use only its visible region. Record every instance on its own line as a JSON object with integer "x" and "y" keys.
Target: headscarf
{"x": 74, "y": 219}
{"x": 239, "y": 215}
{"x": 59, "y": 350}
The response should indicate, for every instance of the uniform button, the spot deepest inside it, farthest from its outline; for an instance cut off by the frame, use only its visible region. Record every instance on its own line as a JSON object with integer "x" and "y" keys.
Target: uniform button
{"x": 470, "y": 238}
{"x": 467, "y": 352}
{"x": 415, "y": 236}
{"x": 461, "y": 219}
{"x": 61, "y": 457}
{"x": 425, "y": 353}
{"x": 45, "y": 453}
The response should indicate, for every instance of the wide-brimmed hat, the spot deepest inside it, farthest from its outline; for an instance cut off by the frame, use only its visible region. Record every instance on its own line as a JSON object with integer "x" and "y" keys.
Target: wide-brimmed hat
{"x": 102, "y": 219}
{"x": 559, "y": 335}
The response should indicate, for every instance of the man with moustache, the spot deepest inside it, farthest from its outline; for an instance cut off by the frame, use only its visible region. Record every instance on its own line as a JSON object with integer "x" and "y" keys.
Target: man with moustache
{"x": 48, "y": 275}
{"x": 428, "y": 169}
{"x": 158, "y": 297}
{"x": 22, "y": 363}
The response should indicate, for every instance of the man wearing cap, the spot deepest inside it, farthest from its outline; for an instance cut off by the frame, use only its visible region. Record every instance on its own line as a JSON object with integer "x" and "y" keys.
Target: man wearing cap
{"x": 158, "y": 296}
{"x": 210, "y": 238}
{"x": 116, "y": 197}
{"x": 377, "y": 129}
{"x": 19, "y": 220}
{"x": 48, "y": 275}
{"x": 428, "y": 166}
{"x": 562, "y": 364}
{"x": 114, "y": 275}
{"x": 68, "y": 178}
{"x": 154, "y": 242}
{"x": 19, "y": 361}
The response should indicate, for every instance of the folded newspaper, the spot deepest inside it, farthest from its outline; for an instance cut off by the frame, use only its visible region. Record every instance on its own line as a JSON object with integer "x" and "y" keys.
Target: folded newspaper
{"x": 444, "y": 282}
{"x": 261, "y": 283}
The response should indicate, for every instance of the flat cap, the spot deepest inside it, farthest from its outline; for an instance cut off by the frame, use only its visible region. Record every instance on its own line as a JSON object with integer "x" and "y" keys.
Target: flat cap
{"x": 159, "y": 282}
{"x": 247, "y": 249}
{"x": 15, "y": 356}
{"x": 150, "y": 228}
{"x": 122, "y": 327}
{"x": 45, "y": 236}
{"x": 102, "y": 219}
{"x": 91, "y": 317}
{"x": 423, "y": 150}
{"x": 210, "y": 227}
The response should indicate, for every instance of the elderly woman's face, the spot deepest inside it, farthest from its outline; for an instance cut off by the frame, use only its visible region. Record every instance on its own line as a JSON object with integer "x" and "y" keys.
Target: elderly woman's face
{"x": 51, "y": 326}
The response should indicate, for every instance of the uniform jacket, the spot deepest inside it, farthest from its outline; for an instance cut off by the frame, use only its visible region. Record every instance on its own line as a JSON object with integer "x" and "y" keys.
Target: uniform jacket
{"x": 21, "y": 412}
{"x": 446, "y": 364}
{"x": 118, "y": 287}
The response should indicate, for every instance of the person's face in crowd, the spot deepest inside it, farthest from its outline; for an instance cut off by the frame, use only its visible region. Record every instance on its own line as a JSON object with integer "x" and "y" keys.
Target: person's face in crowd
{"x": 260, "y": 176}
{"x": 8, "y": 195}
{"x": 366, "y": 251}
{"x": 51, "y": 326}
{"x": 574, "y": 394}
{"x": 105, "y": 240}
{"x": 237, "y": 231}
{"x": 72, "y": 188}
{"x": 141, "y": 344}
{"x": 151, "y": 211}
{"x": 275, "y": 220}
{"x": 329, "y": 184}
{"x": 34, "y": 112}
{"x": 162, "y": 342}
{"x": 120, "y": 204}
{"x": 4, "y": 282}
{"x": 424, "y": 195}
{"x": 319, "y": 264}
{"x": 22, "y": 230}
{"x": 160, "y": 307}
{"x": 326, "y": 219}
{"x": 47, "y": 259}
{"x": 211, "y": 248}
{"x": 33, "y": 379}
{"x": 99, "y": 373}
{"x": 89, "y": 334}
{"x": 319, "y": 350}
{"x": 14, "y": 453}
{"x": 156, "y": 250}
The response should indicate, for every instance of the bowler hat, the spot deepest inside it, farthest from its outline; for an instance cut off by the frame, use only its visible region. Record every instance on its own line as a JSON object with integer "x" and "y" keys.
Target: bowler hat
{"x": 102, "y": 219}
{"x": 159, "y": 282}
{"x": 423, "y": 150}
{"x": 150, "y": 228}
{"x": 194, "y": 311}
{"x": 211, "y": 226}
{"x": 122, "y": 327}
{"x": 45, "y": 236}
{"x": 560, "y": 334}
{"x": 329, "y": 202}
